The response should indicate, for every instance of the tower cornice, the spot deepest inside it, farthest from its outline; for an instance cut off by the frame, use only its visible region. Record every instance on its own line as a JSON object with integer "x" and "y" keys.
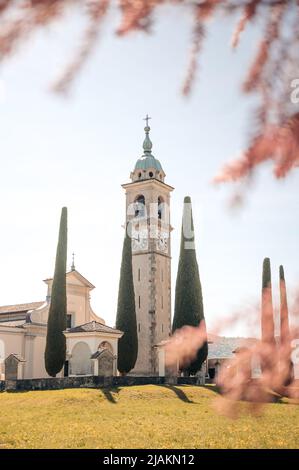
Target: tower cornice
{"x": 152, "y": 181}
{"x": 155, "y": 252}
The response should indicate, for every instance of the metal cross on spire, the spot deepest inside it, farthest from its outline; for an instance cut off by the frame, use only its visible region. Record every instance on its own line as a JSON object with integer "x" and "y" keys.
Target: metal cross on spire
{"x": 147, "y": 118}
{"x": 73, "y": 262}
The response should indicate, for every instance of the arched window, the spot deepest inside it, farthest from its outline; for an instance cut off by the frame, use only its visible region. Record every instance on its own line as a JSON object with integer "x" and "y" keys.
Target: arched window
{"x": 80, "y": 361}
{"x": 140, "y": 206}
{"x": 69, "y": 322}
{"x": 106, "y": 345}
{"x": 2, "y": 351}
{"x": 160, "y": 207}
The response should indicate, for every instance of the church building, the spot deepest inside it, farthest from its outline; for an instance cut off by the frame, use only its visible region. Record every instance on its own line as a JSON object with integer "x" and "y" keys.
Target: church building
{"x": 92, "y": 346}
{"x": 90, "y": 342}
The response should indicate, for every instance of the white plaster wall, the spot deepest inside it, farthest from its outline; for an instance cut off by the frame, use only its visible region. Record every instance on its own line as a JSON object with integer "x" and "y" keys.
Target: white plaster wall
{"x": 78, "y": 304}
{"x": 93, "y": 342}
{"x": 13, "y": 342}
{"x": 10, "y": 343}
{"x": 2, "y": 357}
{"x": 39, "y": 370}
{"x": 2, "y": 350}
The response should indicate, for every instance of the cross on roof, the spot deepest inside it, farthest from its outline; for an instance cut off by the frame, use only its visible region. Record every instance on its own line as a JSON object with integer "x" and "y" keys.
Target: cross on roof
{"x": 147, "y": 118}
{"x": 73, "y": 262}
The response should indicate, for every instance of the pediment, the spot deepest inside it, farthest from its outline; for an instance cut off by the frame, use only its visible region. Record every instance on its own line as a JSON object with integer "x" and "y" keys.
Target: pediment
{"x": 74, "y": 278}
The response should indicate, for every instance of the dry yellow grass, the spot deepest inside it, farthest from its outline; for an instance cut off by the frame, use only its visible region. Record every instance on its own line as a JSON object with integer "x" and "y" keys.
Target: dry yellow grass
{"x": 139, "y": 417}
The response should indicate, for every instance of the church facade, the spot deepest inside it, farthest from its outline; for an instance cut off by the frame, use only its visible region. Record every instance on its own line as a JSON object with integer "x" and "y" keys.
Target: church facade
{"x": 91, "y": 344}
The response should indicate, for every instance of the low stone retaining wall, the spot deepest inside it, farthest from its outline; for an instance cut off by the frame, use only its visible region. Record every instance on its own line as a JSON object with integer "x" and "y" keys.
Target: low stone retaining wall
{"x": 91, "y": 382}
{"x": 188, "y": 381}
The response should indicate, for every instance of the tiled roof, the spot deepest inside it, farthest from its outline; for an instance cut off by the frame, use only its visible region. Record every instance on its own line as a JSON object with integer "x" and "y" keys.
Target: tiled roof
{"x": 19, "y": 308}
{"x": 18, "y": 357}
{"x": 91, "y": 327}
{"x": 222, "y": 347}
{"x": 99, "y": 352}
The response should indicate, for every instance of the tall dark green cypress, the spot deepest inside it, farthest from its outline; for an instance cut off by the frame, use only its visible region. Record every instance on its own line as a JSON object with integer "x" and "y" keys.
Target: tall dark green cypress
{"x": 56, "y": 342}
{"x": 126, "y": 312}
{"x": 267, "y": 320}
{"x": 285, "y": 337}
{"x": 284, "y": 311}
{"x": 188, "y": 308}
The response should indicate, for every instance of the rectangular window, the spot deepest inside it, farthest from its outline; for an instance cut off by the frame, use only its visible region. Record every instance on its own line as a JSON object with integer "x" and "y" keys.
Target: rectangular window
{"x": 69, "y": 320}
{"x": 139, "y": 302}
{"x": 162, "y": 303}
{"x": 162, "y": 328}
{"x": 162, "y": 275}
{"x": 138, "y": 327}
{"x": 66, "y": 369}
{"x": 139, "y": 274}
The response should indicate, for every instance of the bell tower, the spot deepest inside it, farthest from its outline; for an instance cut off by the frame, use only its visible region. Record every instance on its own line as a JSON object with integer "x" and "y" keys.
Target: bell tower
{"x": 148, "y": 221}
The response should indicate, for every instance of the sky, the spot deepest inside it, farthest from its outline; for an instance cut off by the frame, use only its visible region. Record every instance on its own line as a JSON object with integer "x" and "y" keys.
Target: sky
{"x": 78, "y": 150}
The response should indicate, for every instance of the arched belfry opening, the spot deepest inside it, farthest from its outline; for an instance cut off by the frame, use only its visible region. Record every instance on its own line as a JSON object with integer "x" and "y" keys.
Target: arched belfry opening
{"x": 160, "y": 208}
{"x": 106, "y": 345}
{"x": 139, "y": 206}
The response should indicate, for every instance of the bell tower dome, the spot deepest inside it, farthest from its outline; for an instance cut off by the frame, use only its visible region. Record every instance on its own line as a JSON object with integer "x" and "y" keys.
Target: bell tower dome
{"x": 147, "y": 166}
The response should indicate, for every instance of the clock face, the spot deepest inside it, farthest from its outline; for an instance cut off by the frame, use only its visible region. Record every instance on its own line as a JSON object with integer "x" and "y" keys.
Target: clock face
{"x": 162, "y": 241}
{"x": 139, "y": 240}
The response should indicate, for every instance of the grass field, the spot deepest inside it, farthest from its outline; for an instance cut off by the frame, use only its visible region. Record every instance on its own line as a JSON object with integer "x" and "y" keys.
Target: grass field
{"x": 139, "y": 417}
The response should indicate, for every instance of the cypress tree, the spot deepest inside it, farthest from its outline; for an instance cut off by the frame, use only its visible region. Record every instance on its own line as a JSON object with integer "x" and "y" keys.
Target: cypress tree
{"x": 126, "y": 312}
{"x": 268, "y": 359}
{"x": 285, "y": 338}
{"x": 188, "y": 293}
{"x": 284, "y": 311}
{"x": 56, "y": 342}
{"x": 267, "y": 320}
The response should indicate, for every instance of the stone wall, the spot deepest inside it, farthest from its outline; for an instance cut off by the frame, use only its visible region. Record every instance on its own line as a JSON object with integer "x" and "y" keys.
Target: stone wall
{"x": 188, "y": 381}
{"x": 91, "y": 382}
